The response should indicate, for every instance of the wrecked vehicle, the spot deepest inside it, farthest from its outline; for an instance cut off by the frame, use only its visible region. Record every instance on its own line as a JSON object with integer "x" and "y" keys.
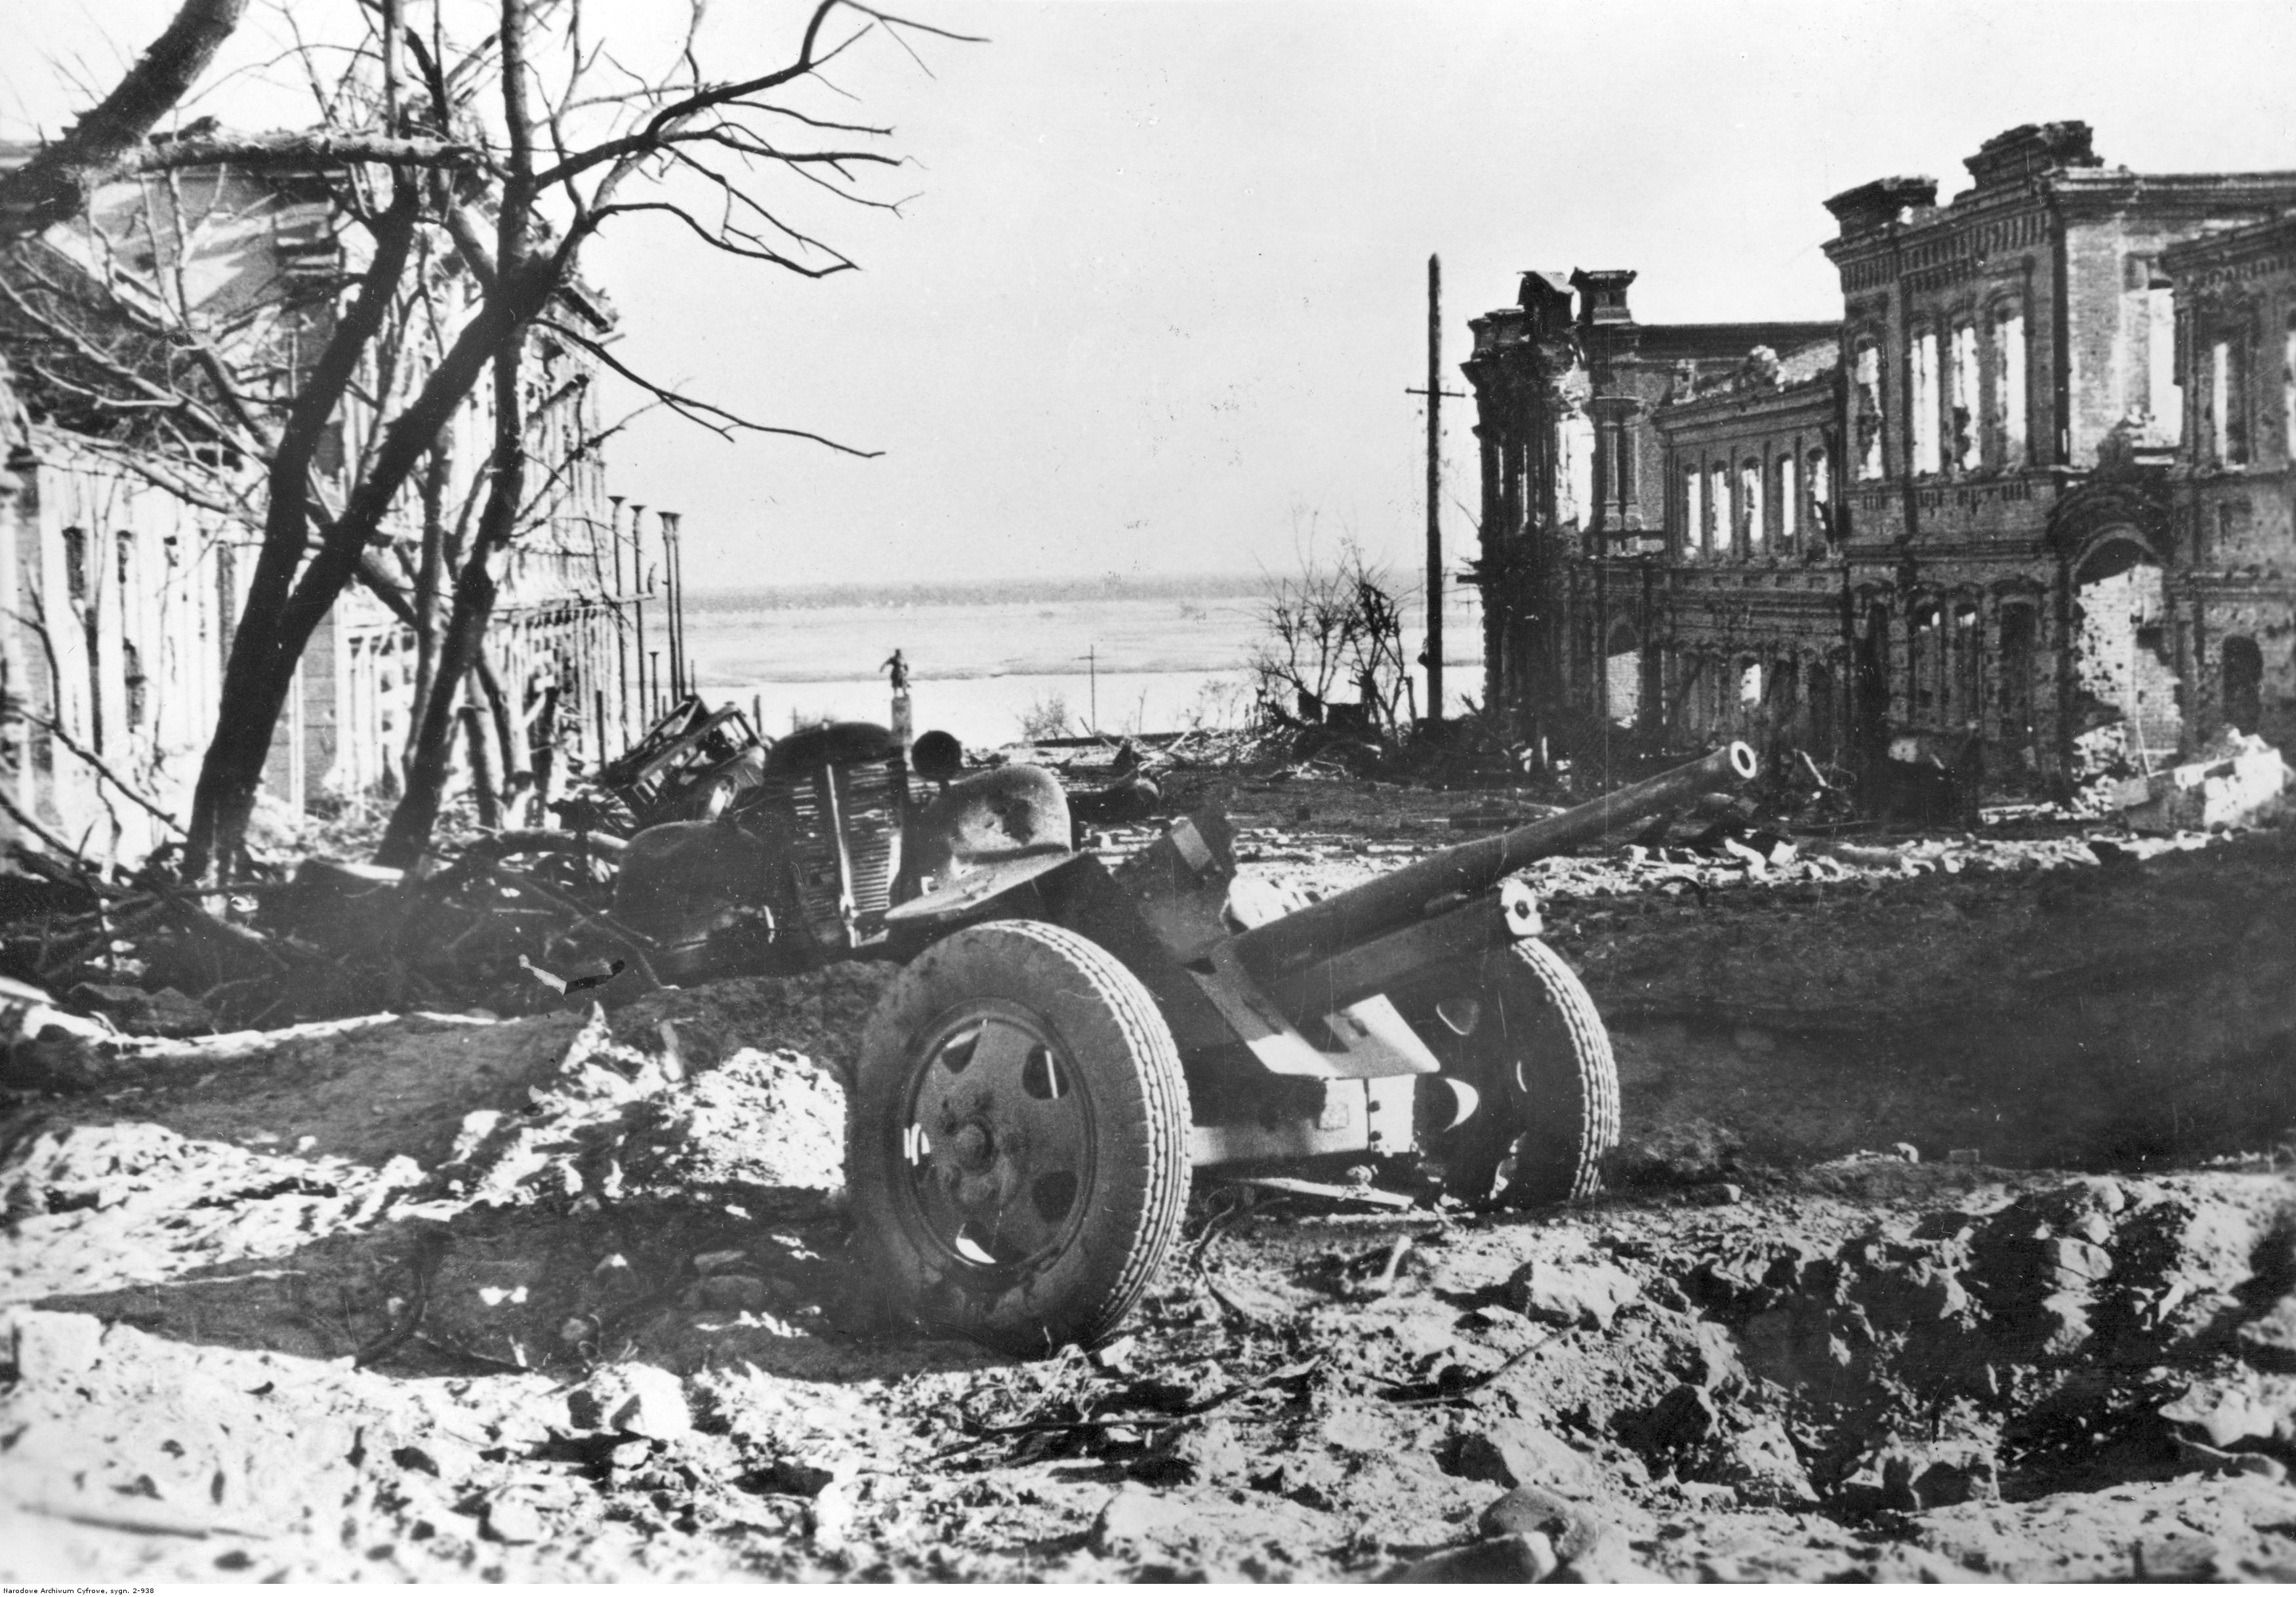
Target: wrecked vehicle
{"x": 1066, "y": 1040}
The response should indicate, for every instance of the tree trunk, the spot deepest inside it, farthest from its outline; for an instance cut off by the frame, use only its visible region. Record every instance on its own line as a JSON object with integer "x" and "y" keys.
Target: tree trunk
{"x": 436, "y": 476}
{"x": 522, "y": 284}
{"x": 475, "y": 589}
{"x": 261, "y": 667}
{"x": 508, "y": 743}
{"x": 272, "y": 630}
{"x": 542, "y": 740}
{"x": 482, "y": 767}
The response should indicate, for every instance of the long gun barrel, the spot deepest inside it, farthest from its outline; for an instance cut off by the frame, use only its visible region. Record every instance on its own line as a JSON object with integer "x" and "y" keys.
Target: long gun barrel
{"x": 1402, "y": 898}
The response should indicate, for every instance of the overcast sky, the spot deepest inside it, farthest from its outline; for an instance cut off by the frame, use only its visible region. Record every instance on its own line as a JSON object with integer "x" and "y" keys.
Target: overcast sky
{"x": 1155, "y": 302}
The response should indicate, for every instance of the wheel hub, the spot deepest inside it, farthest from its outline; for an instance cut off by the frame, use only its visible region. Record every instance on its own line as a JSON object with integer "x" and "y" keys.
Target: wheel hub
{"x": 972, "y": 1147}
{"x": 997, "y": 1142}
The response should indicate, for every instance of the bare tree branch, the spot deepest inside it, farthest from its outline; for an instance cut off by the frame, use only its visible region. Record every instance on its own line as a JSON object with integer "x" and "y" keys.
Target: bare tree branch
{"x": 699, "y": 411}
{"x": 298, "y": 152}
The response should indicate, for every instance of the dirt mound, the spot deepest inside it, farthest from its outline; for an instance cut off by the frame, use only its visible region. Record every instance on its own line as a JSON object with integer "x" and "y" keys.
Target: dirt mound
{"x": 616, "y": 1121}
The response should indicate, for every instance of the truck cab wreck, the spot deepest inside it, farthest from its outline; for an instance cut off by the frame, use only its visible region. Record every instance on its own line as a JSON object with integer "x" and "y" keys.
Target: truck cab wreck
{"x": 1066, "y": 1041}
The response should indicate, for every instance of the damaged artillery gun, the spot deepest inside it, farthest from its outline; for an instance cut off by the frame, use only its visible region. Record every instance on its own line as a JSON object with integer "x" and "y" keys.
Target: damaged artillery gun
{"x": 1065, "y": 1040}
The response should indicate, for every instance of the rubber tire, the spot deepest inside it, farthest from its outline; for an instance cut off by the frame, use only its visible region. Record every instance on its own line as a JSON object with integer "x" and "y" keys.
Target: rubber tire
{"x": 1111, "y": 1032}
{"x": 1539, "y": 1058}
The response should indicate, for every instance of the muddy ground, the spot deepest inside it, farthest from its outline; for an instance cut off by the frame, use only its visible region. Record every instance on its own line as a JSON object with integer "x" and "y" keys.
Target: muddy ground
{"x": 1952, "y": 1238}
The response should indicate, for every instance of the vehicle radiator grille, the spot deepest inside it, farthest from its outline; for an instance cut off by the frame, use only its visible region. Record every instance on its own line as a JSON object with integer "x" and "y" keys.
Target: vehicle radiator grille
{"x": 867, "y": 799}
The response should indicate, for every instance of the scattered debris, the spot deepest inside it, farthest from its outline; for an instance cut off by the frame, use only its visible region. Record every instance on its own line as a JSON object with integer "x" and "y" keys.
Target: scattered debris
{"x": 2239, "y": 780}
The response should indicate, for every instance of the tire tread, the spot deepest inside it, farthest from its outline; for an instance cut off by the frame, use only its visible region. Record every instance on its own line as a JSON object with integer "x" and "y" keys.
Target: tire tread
{"x": 1590, "y": 1052}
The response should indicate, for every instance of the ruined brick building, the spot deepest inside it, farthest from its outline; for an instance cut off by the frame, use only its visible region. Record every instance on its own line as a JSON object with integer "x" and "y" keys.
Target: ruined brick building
{"x": 2022, "y": 511}
{"x": 128, "y": 534}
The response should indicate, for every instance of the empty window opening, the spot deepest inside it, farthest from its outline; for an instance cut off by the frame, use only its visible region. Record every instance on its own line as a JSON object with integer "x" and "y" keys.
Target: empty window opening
{"x": 2244, "y": 684}
{"x": 1929, "y": 664}
{"x": 1968, "y": 451}
{"x": 1870, "y": 702}
{"x": 1623, "y": 676}
{"x": 1749, "y": 506}
{"x": 1962, "y": 707}
{"x": 138, "y": 703}
{"x": 1869, "y": 375}
{"x": 1719, "y": 514}
{"x": 2162, "y": 400}
{"x": 2009, "y": 386}
{"x": 227, "y": 597}
{"x": 1693, "y": 509}
{"x": 1921, "y": 357}
{"x": 2228, "y": 420}
{"x": 2287, "y": 389}
{"x": 1578, "y": 442}
{"x": 1789, "y": 501}
{"x": 76, "y": 565}
{"x": 2016, "y": 667}
{"x": 1824, "y": 715}
{"x": 1749, "y": 685}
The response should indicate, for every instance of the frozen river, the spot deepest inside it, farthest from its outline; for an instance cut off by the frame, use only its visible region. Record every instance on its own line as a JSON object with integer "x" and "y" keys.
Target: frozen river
{"x": 1158, "y": 659}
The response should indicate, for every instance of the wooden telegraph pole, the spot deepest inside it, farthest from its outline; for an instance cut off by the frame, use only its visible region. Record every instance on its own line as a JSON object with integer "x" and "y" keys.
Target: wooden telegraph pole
{"x": 1433, "y": 658}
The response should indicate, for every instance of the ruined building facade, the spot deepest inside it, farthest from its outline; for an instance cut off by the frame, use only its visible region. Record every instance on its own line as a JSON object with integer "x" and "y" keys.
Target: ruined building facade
{"x": 2235, "y": 486}
{"x": 129, "y": 537}
{"x": 2024, "y": 511}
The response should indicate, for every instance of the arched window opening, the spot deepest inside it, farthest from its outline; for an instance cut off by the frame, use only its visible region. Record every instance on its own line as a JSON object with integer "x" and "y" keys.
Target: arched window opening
{"x": 1719, "y": 512}
{"x": 1693, "y": 510}
{"x": 1789, "y": 493}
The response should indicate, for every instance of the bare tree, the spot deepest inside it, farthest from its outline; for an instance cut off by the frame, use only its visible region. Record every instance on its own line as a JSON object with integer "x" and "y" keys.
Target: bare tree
{"x": 556, "y": 190}
{"x": 1329, "y": 630}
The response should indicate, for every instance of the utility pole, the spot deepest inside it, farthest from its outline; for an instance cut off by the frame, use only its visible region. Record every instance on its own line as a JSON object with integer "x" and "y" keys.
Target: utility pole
{"x": 1434, "y": 391}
